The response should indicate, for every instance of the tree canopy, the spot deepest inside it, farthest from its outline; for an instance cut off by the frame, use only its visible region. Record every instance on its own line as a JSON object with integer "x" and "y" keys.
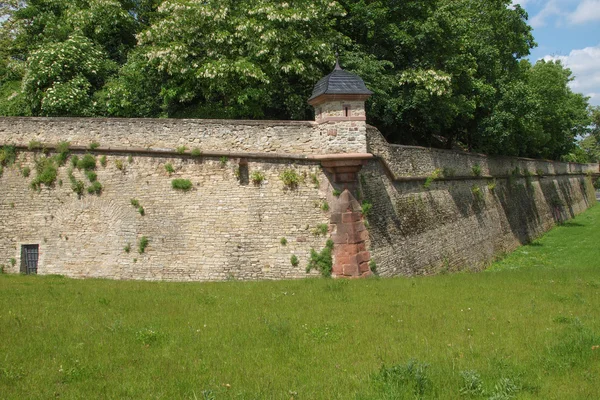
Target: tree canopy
{"x": 444, "y": 72}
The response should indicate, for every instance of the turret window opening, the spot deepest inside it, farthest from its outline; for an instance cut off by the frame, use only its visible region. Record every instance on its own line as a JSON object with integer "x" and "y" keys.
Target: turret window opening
{"x": 346, "y": 111}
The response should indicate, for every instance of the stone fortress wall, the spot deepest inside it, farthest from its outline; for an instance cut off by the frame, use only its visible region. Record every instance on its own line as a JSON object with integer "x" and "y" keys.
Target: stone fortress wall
{"x": 228, "y": 227}
{"x": 407, "y": 210}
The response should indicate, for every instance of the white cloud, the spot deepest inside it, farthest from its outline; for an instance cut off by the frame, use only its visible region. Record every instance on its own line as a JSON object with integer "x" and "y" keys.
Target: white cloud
{"x": 586, "y": 11}
{"x": 563, "y": 11}
{"x": 584, "y": 64}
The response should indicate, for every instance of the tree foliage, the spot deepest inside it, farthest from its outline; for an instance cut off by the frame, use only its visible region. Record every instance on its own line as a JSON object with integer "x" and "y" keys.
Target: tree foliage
{"x": 444, "y": 72}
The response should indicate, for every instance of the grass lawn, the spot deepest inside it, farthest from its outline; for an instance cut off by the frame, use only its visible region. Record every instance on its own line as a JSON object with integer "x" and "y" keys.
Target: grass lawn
{"x": 528, "y": 328}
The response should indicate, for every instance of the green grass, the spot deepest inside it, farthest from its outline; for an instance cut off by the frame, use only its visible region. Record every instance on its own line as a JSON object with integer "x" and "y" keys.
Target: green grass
{"x": 525, "y": 333}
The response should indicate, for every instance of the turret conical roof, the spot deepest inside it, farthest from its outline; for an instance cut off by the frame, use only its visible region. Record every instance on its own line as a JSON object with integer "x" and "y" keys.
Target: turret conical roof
{"x": 340, "y": 82}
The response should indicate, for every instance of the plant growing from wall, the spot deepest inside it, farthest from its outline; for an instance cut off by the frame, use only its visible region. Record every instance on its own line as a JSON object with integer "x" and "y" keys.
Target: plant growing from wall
{"x": 26, "y": 171}
{"x": 92, "y": 176}
{"x": 76, "y": 185}
{"x": 321, "y": 230}
{"x": 62, "y": 153}
{"x": 477, "y": 193}
{"x": 87, "y": 163}
{"x": 135, "y": 203}
{"x": 294, "y": 260}
{"x": 223, "y": 160}
{"x": 322, "y": 261}
{"x": 290, "y": 178}
{"x": 528, "y": 180}
{"x": 435, "y": 175}
{"x": 142, "y": 244}
{"x": 103, "y": 161}
{"x": 366, "y": 207}
{"x": 373, "y": 266}
{"x": 169, "y": 168}
{"x": 46, "y": 172}
{"x": 476, "y": 169}
{"x": 127, "y": 248}
{"x": 257, "y": 177}
{"x": 314, "y": 179}
{"x": 283, "y": 241}
{"x": 74, "y": 161}
{"x": 8, "y": 155}
{"x": 325, "y": 206}
{"x": 130, "y": 159}
{"x": 492, "y": 185}
{"x": 540, "y": 172}
{"x": 336, "y": 192}
{"x": 119, "y": 165}
{"x": 95, "y": 188}
{"x": 181, "y": 184}
{"x": 196, "y": 152}
{"x": 181, "y": 149}
{"x": 94, "y": 145}
{"x": 34, "y": 145}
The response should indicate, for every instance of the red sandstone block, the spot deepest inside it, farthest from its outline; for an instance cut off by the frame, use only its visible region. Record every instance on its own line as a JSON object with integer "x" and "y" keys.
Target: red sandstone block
{"x": 350, "y": 269}
{"x": 362, "y": 247}
{"x": 301, "y": 239}
{"x": 336, "y": 218}
{"x": 339, "y": 238}
{"x": 359, "y": 226}
{"x": 364, "y": 235}
{"x": 347, "y": 217}
{"x": 332, "y": 132}
{"x": 337, "y": 269}
{"x": 364, "y": 267}
{"x": 363, "y": 256}
{"x": 342, "y": 260}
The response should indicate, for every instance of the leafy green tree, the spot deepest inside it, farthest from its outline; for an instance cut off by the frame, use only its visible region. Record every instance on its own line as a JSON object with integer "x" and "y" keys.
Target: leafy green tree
{"x": 226, "y": 58}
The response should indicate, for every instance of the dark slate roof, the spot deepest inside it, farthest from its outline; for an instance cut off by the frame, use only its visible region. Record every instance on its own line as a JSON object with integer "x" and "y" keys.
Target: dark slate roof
{"x": 340, "y": 82}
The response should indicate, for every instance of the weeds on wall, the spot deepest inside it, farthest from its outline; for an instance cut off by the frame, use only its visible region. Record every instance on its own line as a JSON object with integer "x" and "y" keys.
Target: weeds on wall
{"x": 321, "y": 230}
{"x": 8, "y": 155}
{"x": 290, "y": 178}
{"x": 76, "y": 185}
{"x": 366, "y": 207}
{"x": 492, "y": 185}
{"x": 257, "y": 177}
{"x": 181, "y": 184}
{"x": 325, "y": 206}
{"x": 373, "y": 266}
{"x": 540, "y": 172}
{"x": 169, "y": 168}
{"x": 142, "y": 244}
{"x": 435, "y": 175}
{"x": 130, "y": 159}
{"x": 476, "y": 169}
{"x": 336, "y": 192}
{"x": 181, "y": 149}
{"x": 103, "y": 161}
{"x": 135, "y": 203}
{"x": 196, "y": 152}
{"x": 62, "y": 153}
{"x": 322, "y": 261}
{"x": 95, "y": 188}
{"x": 26, "y": 171}
{"x": 223, "y": 161}
{"x": 477, "y": 193}
{"x": 46, "y": 172}
{"x": 314, "y": 179}
{"x": 35, "y": 145}
{"x": 127, "y": 248}
{"x": 94, "y": 145}
{"x": 87, "y": 163}
{"x": 119, "y": 165}
{"x": 283, "y": 241}
{"x": 294, "y": 260}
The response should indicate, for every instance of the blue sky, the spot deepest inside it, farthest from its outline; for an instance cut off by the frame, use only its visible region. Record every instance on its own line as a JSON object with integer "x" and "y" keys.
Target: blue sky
{"x": 569, "y": 30}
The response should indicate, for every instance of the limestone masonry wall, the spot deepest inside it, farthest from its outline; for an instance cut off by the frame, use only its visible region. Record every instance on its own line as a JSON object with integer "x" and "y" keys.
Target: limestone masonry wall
{"x": 229, "y": 226}
{"x": 463, "y": 220}
{"x": 282, "y": 137}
